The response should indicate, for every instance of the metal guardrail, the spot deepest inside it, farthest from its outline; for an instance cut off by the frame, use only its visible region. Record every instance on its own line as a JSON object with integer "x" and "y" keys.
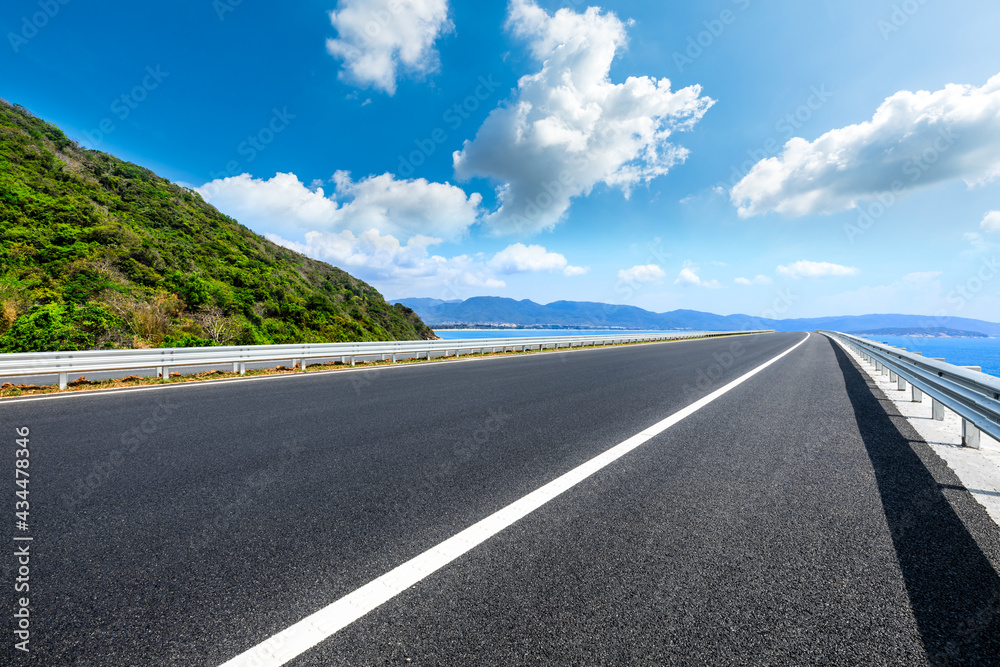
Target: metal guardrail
{"x": 974, "y": 396}
{"x": 65, "y": 364}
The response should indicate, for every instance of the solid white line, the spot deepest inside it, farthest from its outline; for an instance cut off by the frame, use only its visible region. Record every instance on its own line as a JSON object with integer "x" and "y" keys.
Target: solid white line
{"x": 310, "y": 631}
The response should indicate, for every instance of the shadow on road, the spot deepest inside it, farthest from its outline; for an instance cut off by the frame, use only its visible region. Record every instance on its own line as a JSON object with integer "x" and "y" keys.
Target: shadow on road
{"x": 954, "y": 590}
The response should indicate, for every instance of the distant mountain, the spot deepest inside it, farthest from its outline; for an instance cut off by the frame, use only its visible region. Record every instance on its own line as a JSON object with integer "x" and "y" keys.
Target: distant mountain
{"x": 428, "y": 303}
{"x": 934, "y": 332}
{"x": 869, "y": 322}
{"x": 500, "y": 311}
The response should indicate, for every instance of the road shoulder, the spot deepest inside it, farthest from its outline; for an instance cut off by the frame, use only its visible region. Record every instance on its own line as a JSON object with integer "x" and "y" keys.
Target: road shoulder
{"x": 977, "y": 469}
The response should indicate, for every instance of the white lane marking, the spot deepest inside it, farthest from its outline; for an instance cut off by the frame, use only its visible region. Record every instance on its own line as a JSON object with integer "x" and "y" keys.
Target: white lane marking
{"x": 310, "y": 631}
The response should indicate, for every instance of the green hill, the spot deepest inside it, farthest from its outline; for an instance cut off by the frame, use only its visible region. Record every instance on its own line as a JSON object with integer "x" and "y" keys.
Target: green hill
{"x": 100, "y": 253}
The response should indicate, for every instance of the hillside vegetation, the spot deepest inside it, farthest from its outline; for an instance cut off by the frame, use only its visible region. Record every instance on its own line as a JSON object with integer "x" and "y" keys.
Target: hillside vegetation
{"x": 96, "y": 252}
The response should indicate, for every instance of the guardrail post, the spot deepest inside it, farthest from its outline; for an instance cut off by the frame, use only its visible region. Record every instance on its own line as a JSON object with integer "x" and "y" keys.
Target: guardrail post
{"x": 917, "y": 396}
{"x": 892, "y": 376}
{"x": 393, "y": 357}
{"x": 304, "y": 363}
{"x": 970, "y": 435}
{"x": 900, "y": 383}
{"x": 63, "y": 380}
{"x": 937, "y": 409}
{"x": 352, "y": 360}
{"x": 236, "y": 367}
{"x": 159, "y": 372}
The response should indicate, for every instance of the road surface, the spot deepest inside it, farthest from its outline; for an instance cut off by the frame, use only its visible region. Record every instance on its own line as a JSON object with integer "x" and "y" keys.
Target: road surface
{"x": 790, "y": 520}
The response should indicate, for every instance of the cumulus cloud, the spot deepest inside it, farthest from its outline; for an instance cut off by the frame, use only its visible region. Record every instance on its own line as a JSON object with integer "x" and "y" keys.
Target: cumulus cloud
{"x": 689, "y": 277}
{"x": 642, "y": 273}
{"x": 568, "y": 128}
{"x": 402, "y": 208}
{"x": 915, "y": 139}
{"x": 991, "y": 223}
{"x": 978, "y": 243}
{"x": 518, "y": 258}
{"x": 396, "y": 267}
{"x": 806, "y": 269}
{"x": 378, "y": 38}
{"x": 411, "y": 268}
{"x": 760, "y": 279}
{"x": 572, "y": 271}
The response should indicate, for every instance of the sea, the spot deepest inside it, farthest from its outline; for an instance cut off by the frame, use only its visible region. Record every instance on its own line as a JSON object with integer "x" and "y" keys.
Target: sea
{"x": 983, "y": 352}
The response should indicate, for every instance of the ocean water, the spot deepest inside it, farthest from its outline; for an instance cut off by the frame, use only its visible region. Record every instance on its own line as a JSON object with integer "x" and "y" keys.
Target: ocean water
{"x": 983, "y": 352}
{"x": 465, "y": 334}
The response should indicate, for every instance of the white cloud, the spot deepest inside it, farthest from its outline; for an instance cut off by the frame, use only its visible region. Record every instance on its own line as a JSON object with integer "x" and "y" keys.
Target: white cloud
{"x": 991, "y": 223}
{"x": 689, "y": 276}
{"x": 377, "y": 38}
{"x": 518, "y": 258}
{"x": 978, "y": 242}
{"x": 915, "y": 139}
{"x": 642, "y": 273}
{"x": 806, "y": 269}
{"x": 568, "y": 127}
{"x": 760, "y": 279}
{"x": 395, "y": 267}
{"x": 402, "y": 208}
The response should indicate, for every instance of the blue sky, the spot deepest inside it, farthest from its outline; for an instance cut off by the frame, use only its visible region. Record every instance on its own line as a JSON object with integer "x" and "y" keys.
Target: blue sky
{"x": 787, "y": 159}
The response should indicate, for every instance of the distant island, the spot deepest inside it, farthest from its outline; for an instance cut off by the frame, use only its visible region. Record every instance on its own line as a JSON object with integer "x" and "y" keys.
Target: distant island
{"x": 917, "y": 332}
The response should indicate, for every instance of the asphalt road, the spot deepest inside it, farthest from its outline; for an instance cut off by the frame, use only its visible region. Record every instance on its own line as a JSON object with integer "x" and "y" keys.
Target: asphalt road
{"x": 790, "y": 521}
